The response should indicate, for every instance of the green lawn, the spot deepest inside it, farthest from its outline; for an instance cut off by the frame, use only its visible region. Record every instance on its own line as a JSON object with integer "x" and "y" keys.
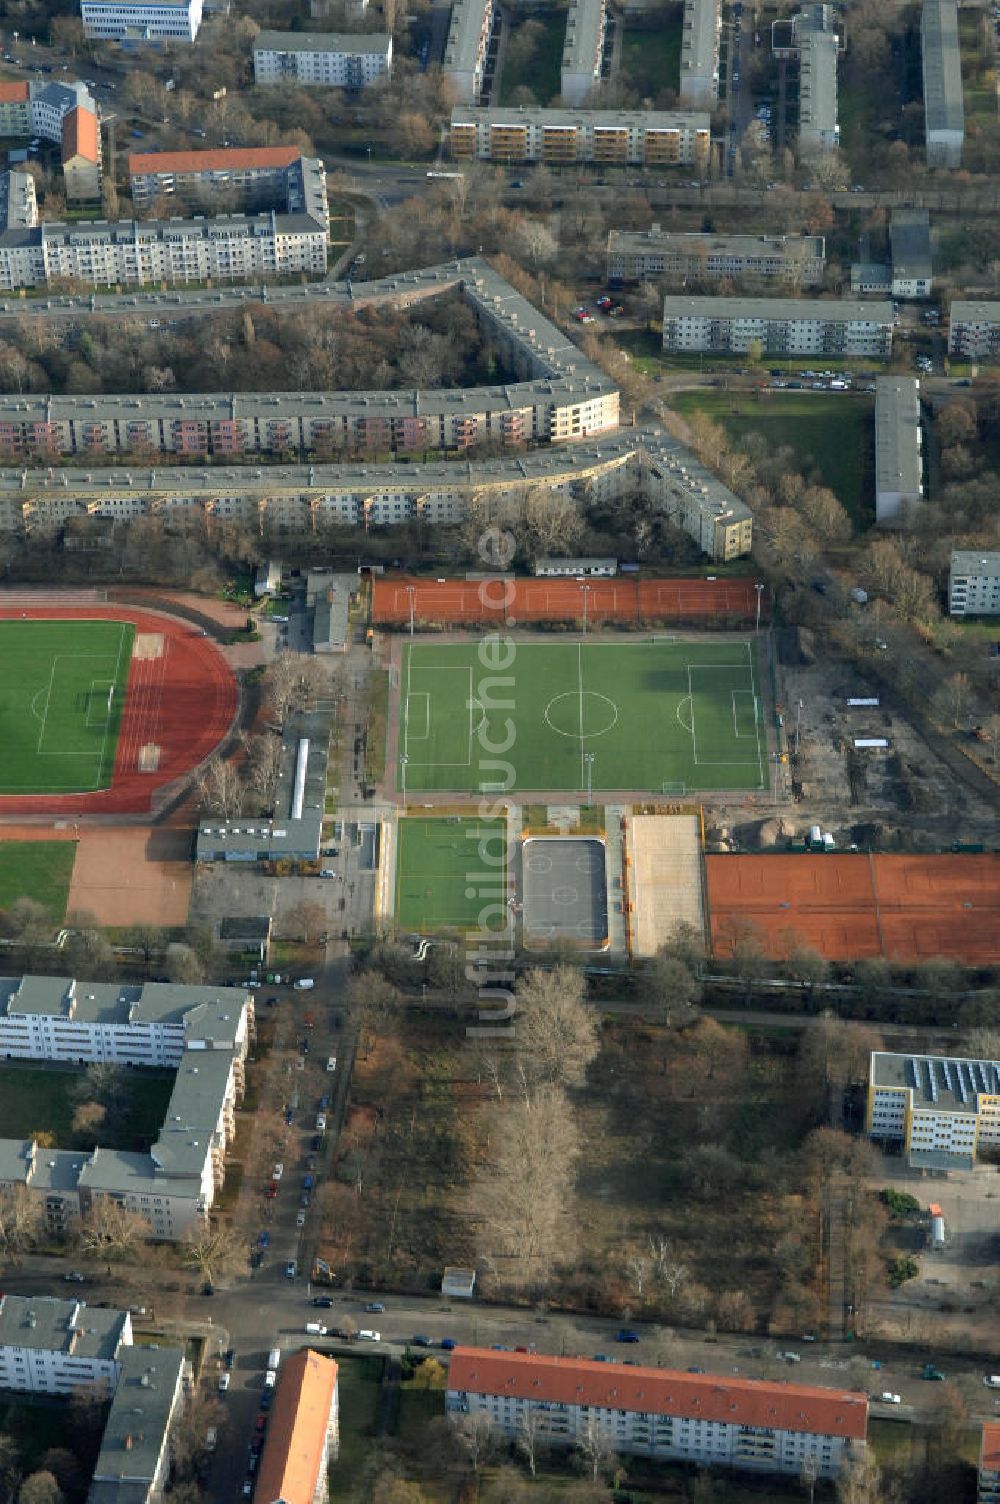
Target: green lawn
{"x": 832, "y": 431}
{"x": 575, "y": 715}
{"x": 360, "y": 1382}
{"x": 62, "y": 690}
{"x": 651, "y": 60}
{"x": 37, "y": 869}
{"x": 979, "y": 88}
{"x": 451, "y": 874}
{"x": 541, "y": 69}
{"x": 41, "y": 1101}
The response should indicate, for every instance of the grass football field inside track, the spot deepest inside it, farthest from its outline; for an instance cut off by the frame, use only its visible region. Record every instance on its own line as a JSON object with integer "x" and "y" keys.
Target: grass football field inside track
{"x": 581, "y": 715}
{"x": 451, "y": 874}
{"x": 62, "y": 692}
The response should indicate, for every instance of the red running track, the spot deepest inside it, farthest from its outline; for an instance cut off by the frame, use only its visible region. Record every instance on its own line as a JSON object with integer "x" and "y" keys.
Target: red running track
{"x": 511, "y": 602}
{"x": 184, "y": 701}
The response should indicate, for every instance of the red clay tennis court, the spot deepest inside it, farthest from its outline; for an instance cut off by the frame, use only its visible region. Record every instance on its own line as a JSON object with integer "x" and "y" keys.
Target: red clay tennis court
{"x": 180, "y": 701}
{"x": 511, "y": 602}
{"x": 846, "y": 906}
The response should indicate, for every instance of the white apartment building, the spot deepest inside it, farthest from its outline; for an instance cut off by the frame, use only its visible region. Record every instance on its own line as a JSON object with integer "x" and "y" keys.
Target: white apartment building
{"x": 899, "y": 463}
{"x": 287, "y": 501}
{"x": 583, "y": 50}
{"x": 133, "y": 1465}
{"x": 974, "y": 329}
{"x": 780, "y": 326}
{"x": 942, "y": 1109}
{"x": 50, "y": 1346}
{"x": 707, "y": 1419}
{"x": 233, "y": 247}
{"x": 315, "y": 59}
{"x": 974, "y": 583}
{"x": 204, "y": 1032}
{"x": 669, "y": 256}
{"x": 699, "y": 84}
{"x": 141, "y": 20}
{"x": 652, "y": 138}
{"x": 944, "y": 100}
{"x": 469, "y": 36}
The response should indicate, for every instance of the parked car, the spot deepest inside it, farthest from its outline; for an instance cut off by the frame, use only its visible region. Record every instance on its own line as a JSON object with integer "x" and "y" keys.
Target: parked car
{"x": 321, "y": 1123}
{"x": 75, "y": 1278}
{"x": 300, "y": 1219}
{"x": 290, "y": 1269}
{"x": 930, "y": 1372}
{"x": 315, "y": 1329}
{"x": 225, "y": 1379}
{"x": 888, "y": 1398}
{"x": 230, "y": 1357}
{"x": 331, "y": 1063}
{"x": 323, "y": 1301}
{"x": 992, "y": 1381}
{"x": 447, "y": 1343}
{"x": 264, "y": 1239}
{"x": 277, "y": 1172}
{"x": 304, "y": 984}
{"x": 421, "y": 1341}
{"x": 626, "y": 1335}
{"x": 366, "y": 1334}
{"x": 790, "y": 1357}
{"x": 374, "y": 1308}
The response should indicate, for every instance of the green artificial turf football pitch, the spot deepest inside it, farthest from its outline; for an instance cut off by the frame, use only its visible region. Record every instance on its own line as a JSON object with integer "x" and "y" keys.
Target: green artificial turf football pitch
{"x": 451, "y": 874}
{"x": 581, "y": 715}
{"x": 62, "y": 691}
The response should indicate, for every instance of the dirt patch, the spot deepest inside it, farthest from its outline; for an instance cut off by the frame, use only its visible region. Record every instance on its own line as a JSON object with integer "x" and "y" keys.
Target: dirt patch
{"x": 132, "y": 876}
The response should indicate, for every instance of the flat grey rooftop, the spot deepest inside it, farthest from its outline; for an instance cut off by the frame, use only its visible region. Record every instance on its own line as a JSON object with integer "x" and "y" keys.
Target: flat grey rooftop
{"x": 975, "y": 561}
{"x": 134, "y": 1435}
{"x": 949, "y": 1083}
{"x": 45, "y": 1324}
{"x": 356, "y": 42}
{"x": 564, "y": 891}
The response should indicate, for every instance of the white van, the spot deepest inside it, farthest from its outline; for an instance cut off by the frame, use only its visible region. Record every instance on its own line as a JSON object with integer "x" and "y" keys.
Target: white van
{"x": 315, "y": 1329}
{"x": 273, "y": 1359}
{"x": 304, "y": 984}
{"x": 367, "y": 1335}
{"x": 992, "y": 1381}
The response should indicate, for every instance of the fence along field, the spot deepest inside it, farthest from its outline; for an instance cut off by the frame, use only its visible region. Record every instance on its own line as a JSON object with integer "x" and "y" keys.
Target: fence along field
{"x": 62, "y": 693}
{"x": 656, "y": 715}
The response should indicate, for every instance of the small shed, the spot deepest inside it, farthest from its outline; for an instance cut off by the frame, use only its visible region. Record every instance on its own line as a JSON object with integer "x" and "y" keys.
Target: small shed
{"x": 458, "y": 1282}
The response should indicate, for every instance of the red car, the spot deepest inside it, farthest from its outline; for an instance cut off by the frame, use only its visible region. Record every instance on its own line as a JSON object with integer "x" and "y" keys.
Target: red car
{"x": 272, "y": 1190}
{"x": 260, "y": 1424}
{"x": 309, "y": 1021}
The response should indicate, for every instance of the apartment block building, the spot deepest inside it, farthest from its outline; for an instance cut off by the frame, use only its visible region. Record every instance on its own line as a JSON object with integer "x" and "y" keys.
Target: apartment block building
{"x": 303, "y": 1432}
{"x": 465, "y": 53}
{"x": 50, "y": 1346}
{"x": 974, "y": 583}
{"x": 780, "y": 326}
{"x": 974, "y": 329}
{"x": 141, "y": 20}
{"x": 668, "y": 256}
{"x": 229, "y": 247}
{"x": 944, "y": 101}
{"x": 659, "y": 138}
{"x": 15, "y": 107}
{"x": 988, "y": 1475}
{"x": 700, "y": 32}
{"x": 706, "y": 1419}
{"x": 583, "y": 50}
{"x": 133, "y": 1465}
{"x": 819, "y": 128}
{"x": 899, "y": 461}
{"x": 942, "y": 1109}
{"x": 278, "y": 178}
{"x": 282, "y": 501}
{"x": 204, "y": 1033}
{"x": 81, "y": 155}
{"x": 910, "y": 242}
{"x": 318, "y": 60}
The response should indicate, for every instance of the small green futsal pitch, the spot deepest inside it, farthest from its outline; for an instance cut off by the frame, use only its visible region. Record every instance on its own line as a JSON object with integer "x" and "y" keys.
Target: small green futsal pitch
{"x": 62, "y": 691}
{"x": 451, "y": 874}
{"x": 658, "y": 715}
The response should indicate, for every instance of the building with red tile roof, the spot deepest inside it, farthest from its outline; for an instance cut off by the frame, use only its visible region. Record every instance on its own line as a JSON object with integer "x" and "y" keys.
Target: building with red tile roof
{"x": 155, "y": 173}
{"x": 15, "y": 107}
{"x": 302, "y": 1434}
{"x": 989, "y": 1464}
{"x": 660, "y": 1413}
{"x": 81, "y": 154}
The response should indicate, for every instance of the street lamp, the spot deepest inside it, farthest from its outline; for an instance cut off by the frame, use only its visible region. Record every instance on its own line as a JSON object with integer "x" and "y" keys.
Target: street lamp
{"x": 402, "y": 769}
{"x": 409, "y": 591}
{"x": 759, "y": 587}
{"x": 588, "y": 760}
{"x": 585, "y": 591}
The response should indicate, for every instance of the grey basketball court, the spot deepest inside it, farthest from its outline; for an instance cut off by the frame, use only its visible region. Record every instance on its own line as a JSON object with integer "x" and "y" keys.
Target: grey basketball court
{"x": 565, "y": 891}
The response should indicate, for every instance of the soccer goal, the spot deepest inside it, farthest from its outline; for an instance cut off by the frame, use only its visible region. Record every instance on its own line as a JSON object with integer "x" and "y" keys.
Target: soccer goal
{"x": 673, "y": 787}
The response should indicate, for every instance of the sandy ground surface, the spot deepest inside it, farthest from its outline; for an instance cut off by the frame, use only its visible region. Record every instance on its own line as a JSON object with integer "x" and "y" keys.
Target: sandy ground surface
{"x": 132, "y": 875}
{"x": 664, "y": 878}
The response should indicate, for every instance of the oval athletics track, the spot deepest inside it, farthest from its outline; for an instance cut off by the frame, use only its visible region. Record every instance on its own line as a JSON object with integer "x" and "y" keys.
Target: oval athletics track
{"x": 180, "y": 702}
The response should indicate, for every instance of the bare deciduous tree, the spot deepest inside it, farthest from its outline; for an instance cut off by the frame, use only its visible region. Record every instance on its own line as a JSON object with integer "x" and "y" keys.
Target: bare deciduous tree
{"x": 555, "y": 1030}
{"x": 19, "y": 1221}
{"x": 594, "y": 1451}
{"x": 478, "y": 1437}
{"x": 113, "y": 1231}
